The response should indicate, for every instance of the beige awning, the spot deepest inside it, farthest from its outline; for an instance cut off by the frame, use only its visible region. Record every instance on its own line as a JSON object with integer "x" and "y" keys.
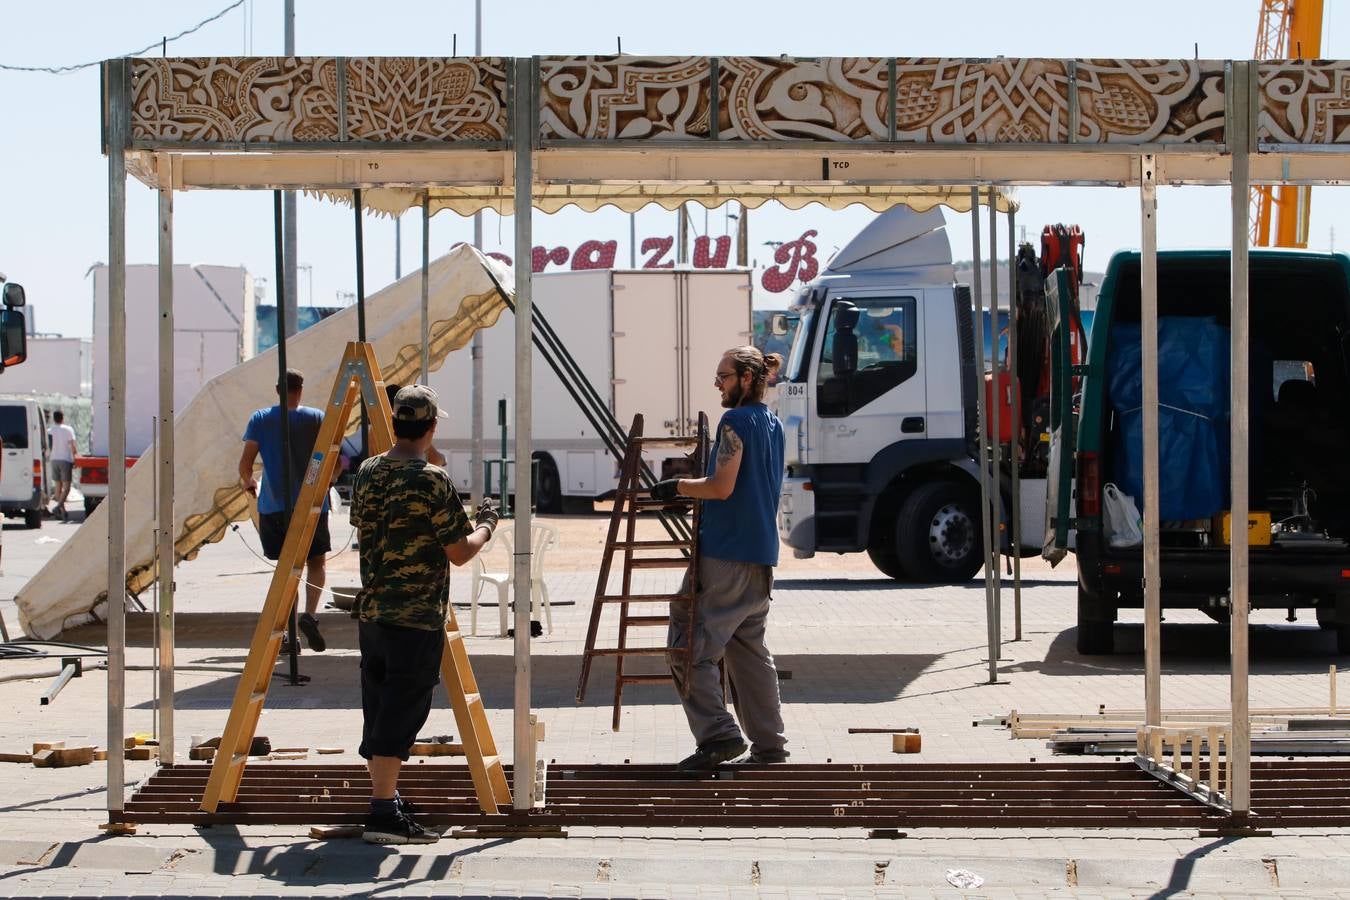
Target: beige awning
{"x": 632, "y": 197}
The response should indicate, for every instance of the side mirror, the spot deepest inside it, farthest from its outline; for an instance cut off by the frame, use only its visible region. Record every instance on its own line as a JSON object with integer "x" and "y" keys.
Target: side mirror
{"x": 14, "y": 295}
{"x": 13, "y": 335}
{"x": 780, "y": 324}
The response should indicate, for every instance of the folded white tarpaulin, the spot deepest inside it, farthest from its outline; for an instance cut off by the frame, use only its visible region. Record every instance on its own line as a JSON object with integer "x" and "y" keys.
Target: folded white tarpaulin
{"x": 71, "y": 588}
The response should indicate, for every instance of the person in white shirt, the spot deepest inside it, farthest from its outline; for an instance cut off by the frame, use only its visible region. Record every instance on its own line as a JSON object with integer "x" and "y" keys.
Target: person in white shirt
{"x": 61, "y": 438}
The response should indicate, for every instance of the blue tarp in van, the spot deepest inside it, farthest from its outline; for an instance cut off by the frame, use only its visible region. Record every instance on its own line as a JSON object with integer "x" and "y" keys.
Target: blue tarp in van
{"x": 1193, "y": 444}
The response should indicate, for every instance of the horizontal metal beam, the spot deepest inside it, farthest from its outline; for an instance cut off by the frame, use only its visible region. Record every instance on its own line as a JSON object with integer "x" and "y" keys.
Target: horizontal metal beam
{"x": 663, "y": 172}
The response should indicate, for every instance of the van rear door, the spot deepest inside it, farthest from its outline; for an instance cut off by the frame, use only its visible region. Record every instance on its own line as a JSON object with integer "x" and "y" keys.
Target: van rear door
{"x": 1063, "y": 422}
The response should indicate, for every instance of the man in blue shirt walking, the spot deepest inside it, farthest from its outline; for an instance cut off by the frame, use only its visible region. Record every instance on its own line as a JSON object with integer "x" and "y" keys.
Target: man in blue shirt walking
{"x": 738, "y": 549}
{"x": 262, "y": 437}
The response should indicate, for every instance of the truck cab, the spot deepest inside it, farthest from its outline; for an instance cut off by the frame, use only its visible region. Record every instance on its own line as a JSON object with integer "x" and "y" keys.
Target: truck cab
{"x": 878, "y": 401}
{"x": 1299, "y": 492}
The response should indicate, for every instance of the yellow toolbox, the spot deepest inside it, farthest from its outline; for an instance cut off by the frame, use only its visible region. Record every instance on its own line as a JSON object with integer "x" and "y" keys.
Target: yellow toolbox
{"x": 1258, "y": 528}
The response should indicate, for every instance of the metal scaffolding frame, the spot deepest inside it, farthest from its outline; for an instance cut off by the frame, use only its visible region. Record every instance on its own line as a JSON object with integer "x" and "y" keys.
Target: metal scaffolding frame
{"x": 866, "y": 170}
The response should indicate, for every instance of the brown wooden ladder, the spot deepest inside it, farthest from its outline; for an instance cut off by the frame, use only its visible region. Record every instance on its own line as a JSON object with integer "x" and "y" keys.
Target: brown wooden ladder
{"x": 629, "y": 499}
{"x": 358, "y": 377}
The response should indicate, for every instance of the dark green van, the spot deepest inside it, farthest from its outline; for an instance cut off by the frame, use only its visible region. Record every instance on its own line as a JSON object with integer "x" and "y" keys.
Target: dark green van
{"x": 1299, "y": 442}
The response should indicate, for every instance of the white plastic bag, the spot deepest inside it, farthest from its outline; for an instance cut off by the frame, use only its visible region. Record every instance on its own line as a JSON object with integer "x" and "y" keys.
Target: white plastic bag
{"x": 1124, "y": 525}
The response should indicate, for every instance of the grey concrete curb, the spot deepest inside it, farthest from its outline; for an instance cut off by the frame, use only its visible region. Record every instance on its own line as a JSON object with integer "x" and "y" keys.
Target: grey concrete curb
{"x": 350, "y": 862}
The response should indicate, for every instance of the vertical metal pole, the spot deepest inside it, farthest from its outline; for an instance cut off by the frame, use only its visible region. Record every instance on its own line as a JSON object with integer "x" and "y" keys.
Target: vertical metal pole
{"x": 682, "y": 239}
{"x": 359, "y": 222}
{"x": 478, "y": 487}
{"x": 115, "y": 76}
{"x": 1148, "y": 321}
{"x": 1240, "y": 752}
{"x": 996, "y": 441}
{"x": 283, "y": 404}
{"x": 1015, "y": 426}
{"x": 632, "y": 240}
{"x": 426, "y": 286}
{"x": 290, "y": 250}
{"x": 977, "y": 301}
{"x": 743, "y": 237}
{"x": 522, "y": 137}
{"x": 164, "y": 465}
{"x": 398, "y": 246}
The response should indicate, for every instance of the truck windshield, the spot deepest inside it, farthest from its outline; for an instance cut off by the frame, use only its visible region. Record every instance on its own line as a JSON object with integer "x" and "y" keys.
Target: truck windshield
{"x": 801, "y": 348}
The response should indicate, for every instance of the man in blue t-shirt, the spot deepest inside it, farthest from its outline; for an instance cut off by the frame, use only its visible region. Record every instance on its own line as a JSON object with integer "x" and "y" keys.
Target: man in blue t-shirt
{"x": 738, "y": 548}
{"x": 262, "y": 437}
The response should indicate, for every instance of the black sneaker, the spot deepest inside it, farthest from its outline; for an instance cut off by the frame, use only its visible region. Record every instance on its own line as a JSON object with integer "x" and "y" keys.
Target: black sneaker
{"x": 397, "y": 828}
{"x": 712, "y": 755}
{"x": 310, "y": 626}
{"x": 769, "y": 757}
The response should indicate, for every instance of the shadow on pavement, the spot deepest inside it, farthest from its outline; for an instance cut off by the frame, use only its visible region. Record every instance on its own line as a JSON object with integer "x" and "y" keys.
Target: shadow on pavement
{"x": 844, "y": 583}
{"x": 1193, "y": 648}
{"x": 804, "y": 678}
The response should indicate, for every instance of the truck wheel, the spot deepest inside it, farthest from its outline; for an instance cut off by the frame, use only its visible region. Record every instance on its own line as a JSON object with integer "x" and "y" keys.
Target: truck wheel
{"x": 1096, "y": 624}
{"x": 938, "y": 534}
{"x": 32, "y": 518}
{"x": 884, "y": 555}
{"x": 549, "y": 497}
{"x": 1326, "y": 616}
{"x": 1342, "y": 618}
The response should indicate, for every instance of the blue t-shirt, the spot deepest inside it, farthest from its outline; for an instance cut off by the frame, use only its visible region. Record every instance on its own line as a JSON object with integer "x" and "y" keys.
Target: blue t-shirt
{"x": 744, "y": 526}
{"x": 264, "y": 428}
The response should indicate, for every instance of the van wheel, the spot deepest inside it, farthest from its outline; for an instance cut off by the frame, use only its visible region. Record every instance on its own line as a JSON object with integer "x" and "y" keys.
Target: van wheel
{"x": 32, "y": 518}
{"x": 548, "y": 498}
{"x": 1096, "y": 624}
{"x": 938, "y": 534}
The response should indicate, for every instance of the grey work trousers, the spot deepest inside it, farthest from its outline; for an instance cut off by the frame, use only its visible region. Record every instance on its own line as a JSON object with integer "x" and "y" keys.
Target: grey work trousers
{"x": 733, "y": 606}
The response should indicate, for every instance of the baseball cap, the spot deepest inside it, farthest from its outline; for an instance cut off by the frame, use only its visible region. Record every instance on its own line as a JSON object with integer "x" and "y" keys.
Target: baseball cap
{"x": 417, "y": 403}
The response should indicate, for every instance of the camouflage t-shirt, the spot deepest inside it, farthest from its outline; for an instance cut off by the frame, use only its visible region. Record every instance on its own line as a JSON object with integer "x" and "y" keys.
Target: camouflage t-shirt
{"x": 406, "y": 511}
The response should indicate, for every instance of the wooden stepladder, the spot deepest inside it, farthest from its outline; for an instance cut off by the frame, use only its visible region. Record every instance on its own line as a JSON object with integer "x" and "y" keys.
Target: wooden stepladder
{"x": 629, "y": 498}
{"x": 358, "y": 375}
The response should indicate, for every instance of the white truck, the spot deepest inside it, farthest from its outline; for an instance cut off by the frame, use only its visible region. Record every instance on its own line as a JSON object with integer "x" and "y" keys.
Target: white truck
{"x": 648, "y": 341}
{"x": 214, "y": 331}
{"x": 878, "y": 401}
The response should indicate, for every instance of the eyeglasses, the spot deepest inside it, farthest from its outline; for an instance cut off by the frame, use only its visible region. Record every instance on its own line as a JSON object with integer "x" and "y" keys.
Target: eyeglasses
{"x": 723, "y": 376}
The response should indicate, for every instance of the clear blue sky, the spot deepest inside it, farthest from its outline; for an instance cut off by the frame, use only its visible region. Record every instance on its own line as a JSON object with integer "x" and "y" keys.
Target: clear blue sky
{"x": 53, "y": 209}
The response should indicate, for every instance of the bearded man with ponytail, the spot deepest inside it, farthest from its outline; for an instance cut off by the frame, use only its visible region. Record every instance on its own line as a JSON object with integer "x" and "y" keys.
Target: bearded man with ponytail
{"x": 738, "y": 549}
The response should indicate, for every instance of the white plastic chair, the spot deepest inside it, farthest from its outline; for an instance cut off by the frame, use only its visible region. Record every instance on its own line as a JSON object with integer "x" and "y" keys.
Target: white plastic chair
{"x": 481, "y": 575}
{"x": 542, "y": 537}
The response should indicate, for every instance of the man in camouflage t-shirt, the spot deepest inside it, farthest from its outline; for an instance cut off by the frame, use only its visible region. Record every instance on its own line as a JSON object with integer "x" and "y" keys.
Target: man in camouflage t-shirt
{"x": 411, "y": 522}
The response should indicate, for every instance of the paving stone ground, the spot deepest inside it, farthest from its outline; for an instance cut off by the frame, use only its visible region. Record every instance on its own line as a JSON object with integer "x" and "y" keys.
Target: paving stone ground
{"x": 861, "y": 652}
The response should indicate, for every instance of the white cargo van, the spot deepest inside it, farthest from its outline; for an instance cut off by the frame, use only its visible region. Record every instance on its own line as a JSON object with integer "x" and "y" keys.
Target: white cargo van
{"x": 23, "y": 476}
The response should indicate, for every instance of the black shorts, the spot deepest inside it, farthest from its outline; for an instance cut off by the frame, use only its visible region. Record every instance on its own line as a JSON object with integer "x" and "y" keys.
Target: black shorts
{"x": 400, "y": 668}
{"x": 272, "y": 530}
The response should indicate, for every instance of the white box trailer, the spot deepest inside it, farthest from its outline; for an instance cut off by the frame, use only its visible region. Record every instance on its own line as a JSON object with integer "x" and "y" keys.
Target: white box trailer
{"x": 55, "y": 365}
{"x": 648, "y": 341}
{"x": 214, "y": 325}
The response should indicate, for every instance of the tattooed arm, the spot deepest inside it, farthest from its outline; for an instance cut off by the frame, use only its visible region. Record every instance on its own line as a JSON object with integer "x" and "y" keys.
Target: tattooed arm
{"x": 722, "y": 482}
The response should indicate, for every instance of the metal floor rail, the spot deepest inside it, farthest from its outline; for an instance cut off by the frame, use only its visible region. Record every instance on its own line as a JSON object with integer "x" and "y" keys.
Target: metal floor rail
{"x": 882, "y": 795}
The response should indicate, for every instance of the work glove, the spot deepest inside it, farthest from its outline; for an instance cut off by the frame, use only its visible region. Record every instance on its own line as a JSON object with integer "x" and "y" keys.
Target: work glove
{"x": 486, "y": 514}
{"x": 666, "y": 490}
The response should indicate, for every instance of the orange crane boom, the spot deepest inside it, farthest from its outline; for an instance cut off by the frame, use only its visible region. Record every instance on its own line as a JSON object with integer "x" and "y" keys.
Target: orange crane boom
{"x": 1288, "y": 29}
